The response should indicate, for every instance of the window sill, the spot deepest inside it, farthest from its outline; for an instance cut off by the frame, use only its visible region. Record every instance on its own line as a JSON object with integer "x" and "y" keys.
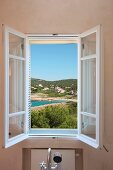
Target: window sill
{"x": 53, "y": 133}
{"x": 54, "y": 138}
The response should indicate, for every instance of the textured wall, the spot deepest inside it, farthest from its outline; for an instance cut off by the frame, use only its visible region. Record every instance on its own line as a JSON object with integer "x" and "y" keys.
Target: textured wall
{"x": 66, "y": 16}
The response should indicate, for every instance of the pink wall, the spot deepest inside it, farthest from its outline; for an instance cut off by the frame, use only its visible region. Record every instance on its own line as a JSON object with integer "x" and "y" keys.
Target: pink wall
{"x": 66, "y": 16}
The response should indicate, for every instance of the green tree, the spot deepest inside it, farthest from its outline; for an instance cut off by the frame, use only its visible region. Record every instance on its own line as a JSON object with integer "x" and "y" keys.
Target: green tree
{"x": 39, "y": 120}
{"x": 59, "y": 116}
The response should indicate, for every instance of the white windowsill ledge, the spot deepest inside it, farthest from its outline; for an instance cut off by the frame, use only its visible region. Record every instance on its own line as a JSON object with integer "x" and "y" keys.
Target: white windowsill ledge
{"x": 53, "y": 133}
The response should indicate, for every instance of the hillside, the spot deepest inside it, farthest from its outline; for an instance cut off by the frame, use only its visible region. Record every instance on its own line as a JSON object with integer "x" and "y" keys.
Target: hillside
{"x": 61, "y": 83}
{"x": 64, "y": 87}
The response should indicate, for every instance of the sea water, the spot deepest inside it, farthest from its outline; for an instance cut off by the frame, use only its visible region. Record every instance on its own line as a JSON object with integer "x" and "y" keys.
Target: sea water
{"x": 35, "y": 103}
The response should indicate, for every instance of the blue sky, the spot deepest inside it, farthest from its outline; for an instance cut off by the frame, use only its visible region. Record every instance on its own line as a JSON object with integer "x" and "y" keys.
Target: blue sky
{"x": 54, "y": 61}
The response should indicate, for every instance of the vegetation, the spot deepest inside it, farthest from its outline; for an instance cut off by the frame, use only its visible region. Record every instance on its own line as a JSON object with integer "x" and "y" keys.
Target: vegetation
{"x": 62, "y": 83}
{"x": 59, "y": 116}
{"x": 54, "y": 88}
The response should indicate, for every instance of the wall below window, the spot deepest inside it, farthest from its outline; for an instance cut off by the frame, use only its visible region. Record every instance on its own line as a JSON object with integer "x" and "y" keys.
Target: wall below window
{"x": 71, "y": 158}
{"x": 66, "y": 16}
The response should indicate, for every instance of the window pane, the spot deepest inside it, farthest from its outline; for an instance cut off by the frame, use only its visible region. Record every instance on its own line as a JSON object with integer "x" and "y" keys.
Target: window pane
{"x": 16, "y": 85}
{"x": 88, "y": 126}
{"x": 16, "y": 125}
{"x": 54, "y": 86}
{"x": 89, "y": 45}
{"x": 16, "y": 45}
{"x": 88, "y": 86}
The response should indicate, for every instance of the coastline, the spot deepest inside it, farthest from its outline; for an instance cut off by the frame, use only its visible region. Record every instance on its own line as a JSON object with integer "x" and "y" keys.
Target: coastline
{"x": 43, "y": 106}
{"x": 34, "y": 98}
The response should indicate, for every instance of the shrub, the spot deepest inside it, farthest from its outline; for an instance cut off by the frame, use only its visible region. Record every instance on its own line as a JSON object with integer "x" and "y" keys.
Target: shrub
{"x": 59, "y": 116}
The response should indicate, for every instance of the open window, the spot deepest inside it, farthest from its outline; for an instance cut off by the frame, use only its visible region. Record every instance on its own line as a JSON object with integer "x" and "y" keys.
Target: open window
{"x": 17, "y": 87}
{"x": 90, "y": 88}
{"x": 53, "y": 85}
{"x": 16, "y": 95}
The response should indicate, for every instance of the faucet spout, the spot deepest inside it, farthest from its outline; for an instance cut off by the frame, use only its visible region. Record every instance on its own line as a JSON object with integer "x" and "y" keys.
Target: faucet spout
{"x": 49, "y": 159}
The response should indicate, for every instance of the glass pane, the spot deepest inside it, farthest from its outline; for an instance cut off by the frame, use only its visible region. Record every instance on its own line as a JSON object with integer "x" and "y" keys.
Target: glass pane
{"x": 16, "y": 85}
{"x": 89, "y": 45}
{"x": 88, "y": 86}
{"x": 16, "y": 125}
{"x": 88, "y": 126}
{"x": 16, "y": 45}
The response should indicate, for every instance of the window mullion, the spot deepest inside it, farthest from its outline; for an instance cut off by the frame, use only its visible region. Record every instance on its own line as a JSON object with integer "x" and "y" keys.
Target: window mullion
{"x": 88, "y": 57}
{"x": 16, "y": 57}
{"x": 16, "y": 113}
{"x": 89, "y": 114}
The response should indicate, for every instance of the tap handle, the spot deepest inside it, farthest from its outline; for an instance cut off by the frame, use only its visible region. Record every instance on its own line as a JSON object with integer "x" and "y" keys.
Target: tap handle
{"x": 57, "y": 157}
{"x": 43, "y": 165}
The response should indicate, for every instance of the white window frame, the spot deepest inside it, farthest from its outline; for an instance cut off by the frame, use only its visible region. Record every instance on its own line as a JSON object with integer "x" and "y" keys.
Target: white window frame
{"x": 55, "y": 39}
{"x": 9, "y": 142}
{"x": 95, "y": 143}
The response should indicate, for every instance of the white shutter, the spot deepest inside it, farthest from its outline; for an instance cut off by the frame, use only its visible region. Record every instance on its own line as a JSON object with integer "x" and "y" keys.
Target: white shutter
{"x": 16, "y": 87}
{"x": 90, "y": 88}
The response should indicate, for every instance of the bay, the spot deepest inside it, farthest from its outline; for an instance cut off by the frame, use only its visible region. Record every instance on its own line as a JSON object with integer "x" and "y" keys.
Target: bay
{"x": 35, "y": 103}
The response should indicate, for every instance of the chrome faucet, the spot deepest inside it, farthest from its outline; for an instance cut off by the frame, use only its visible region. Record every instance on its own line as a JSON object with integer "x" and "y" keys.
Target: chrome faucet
{"x": 48, "y": 166}
{"x": 49, "y": 159}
